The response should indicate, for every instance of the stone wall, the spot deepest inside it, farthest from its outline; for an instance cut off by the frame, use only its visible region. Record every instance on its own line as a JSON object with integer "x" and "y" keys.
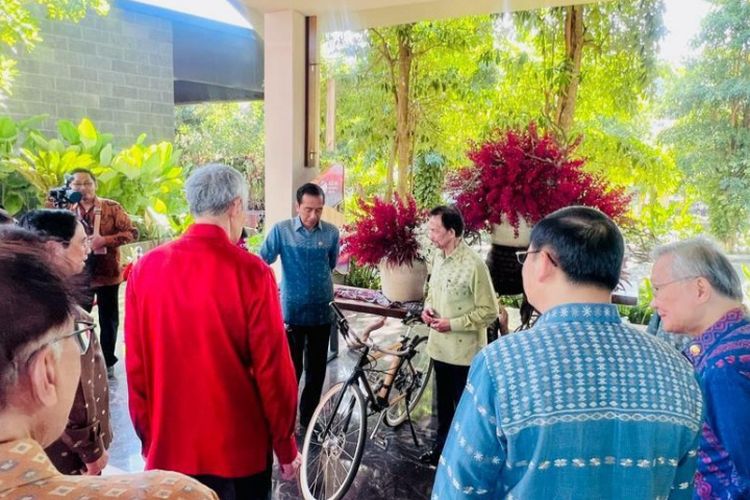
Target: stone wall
{"x": 117, "y": 70}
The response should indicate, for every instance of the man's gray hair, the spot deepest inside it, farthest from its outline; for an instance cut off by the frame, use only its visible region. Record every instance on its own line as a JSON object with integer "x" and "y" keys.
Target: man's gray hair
{"x": 211, "y": 189}
{"x": 700, "y": 257}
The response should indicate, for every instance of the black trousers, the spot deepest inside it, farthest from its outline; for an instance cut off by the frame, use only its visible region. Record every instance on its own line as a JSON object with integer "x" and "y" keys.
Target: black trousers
{"x": 309, "y": 348}
{"x": 109, "y": 318}
{"x": 450, "y": 381}
{"x": 255, "y": 487}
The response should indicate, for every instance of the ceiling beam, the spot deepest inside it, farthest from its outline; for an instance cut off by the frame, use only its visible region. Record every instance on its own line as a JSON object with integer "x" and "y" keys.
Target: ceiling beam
{"x": 341, "y": 15}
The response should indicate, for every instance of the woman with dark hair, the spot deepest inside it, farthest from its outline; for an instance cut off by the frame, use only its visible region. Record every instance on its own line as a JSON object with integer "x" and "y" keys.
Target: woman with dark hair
{"x": 65, "y": 236}
{"x": 82, "y": 449}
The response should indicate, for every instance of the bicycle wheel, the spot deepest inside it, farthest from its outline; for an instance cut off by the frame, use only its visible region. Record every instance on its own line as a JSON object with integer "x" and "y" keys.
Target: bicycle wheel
{"x": 330, "y": 459}
{"x": 406, "y": 378}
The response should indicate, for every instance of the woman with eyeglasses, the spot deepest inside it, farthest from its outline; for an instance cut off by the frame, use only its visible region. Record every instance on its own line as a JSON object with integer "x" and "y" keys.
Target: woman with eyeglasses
{"x": 82, "y": 449}
{"x": 41, "y": 345}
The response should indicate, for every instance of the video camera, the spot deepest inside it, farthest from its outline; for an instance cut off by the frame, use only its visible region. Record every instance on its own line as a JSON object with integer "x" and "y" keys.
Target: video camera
{"x": 63, "y": 196}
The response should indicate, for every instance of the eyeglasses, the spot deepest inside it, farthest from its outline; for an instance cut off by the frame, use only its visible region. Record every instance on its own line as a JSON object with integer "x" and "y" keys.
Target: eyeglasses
{"x": 81, "y": 184}
{"x": 655, "y": 289}
{"x": 82, "y": 334}
{"x": 522, "y": 254}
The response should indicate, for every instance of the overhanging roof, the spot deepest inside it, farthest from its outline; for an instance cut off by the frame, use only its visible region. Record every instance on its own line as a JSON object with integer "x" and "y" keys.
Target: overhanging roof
{"x": 212, "y": 61}
{"x": 339, "y": 15}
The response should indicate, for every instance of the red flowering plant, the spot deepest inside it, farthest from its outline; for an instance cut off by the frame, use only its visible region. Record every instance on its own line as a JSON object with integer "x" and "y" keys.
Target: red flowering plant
{"x": 384, "y": 230}
{"x": 527, "y": 175}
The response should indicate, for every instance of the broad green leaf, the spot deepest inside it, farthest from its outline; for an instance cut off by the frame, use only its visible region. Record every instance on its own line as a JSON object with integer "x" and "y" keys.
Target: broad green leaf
{"x": 68, "y": 131}
{"x": 105, "y": 155}
{"x": 39, "y": 140}
{"x": 8, "y": 129}
{"x": 106, "y": 176}
{"x": 87, "y": 133}
{"x": 13, "y": 202}
{"x": 152, "y": 164}
{"x": 32, "y": 121}
{"x": 123, "y": 166}
{"x": 160, "y": 206}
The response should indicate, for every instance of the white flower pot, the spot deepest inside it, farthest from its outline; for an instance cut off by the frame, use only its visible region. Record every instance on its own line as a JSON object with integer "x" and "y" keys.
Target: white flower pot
{"x": 503, "y": 234}
{"x": 403, "y": 283}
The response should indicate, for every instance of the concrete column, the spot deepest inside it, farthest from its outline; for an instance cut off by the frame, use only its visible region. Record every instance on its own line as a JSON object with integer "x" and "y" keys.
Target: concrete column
{"x": 284, "y": 90}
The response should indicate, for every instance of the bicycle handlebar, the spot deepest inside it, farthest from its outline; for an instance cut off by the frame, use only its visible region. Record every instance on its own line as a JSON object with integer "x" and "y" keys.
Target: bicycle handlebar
{"x": 343, "y": 325}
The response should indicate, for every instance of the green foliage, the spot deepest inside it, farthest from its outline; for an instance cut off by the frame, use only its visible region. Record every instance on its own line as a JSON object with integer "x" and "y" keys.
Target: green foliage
{"x": 254, "y": 242}
{"x": 640, "y": 314}
{"x": 504, "y": 71}
{"x": 147, "y": 181}
{"x": 513, "y": 301}
{"x": 362, "y": 276}
{"x": 43, "y": 162}
{"x": 429, "y": 176}
{"x": 660, "y": 198}
{"x": 15, "y": 191}
{"x": 710, "y": 104}
{"x": 145, "y": 178}
{"x": 746, "y": 274}
{"x": 19, "y": 27}
{"x": 229, "y": 133}
{"x": 448, "y": 76}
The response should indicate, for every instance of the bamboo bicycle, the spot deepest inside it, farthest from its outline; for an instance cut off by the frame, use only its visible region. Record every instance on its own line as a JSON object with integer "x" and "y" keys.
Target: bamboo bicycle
{"x": 335, "y": 439}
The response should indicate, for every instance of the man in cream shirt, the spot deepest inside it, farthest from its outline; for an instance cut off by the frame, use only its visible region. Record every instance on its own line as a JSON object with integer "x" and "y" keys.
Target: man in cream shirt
{"x": 460, "y": 304}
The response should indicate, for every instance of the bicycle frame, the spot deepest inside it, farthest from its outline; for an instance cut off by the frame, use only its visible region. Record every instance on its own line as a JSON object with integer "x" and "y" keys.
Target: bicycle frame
{"x": 335, "y": 440}
{"x": 359, "y": 374}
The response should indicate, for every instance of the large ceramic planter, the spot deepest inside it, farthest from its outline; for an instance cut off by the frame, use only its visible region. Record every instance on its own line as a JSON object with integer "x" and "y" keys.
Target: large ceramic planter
{"x": 501, "y": 260}
{"x": 403, "y": 283}
{"x": 504, "y": 234}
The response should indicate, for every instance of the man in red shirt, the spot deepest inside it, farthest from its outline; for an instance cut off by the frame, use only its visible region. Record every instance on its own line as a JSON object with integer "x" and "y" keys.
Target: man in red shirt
{"x": 211, "y": 383}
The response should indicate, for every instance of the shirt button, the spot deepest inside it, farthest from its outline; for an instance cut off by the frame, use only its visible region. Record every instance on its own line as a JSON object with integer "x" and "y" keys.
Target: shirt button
{"x": 695, "y": 349}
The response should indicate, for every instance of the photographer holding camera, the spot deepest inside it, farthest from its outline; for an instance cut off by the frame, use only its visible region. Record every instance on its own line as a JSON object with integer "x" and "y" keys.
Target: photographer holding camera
{"x": 109, "y": 227}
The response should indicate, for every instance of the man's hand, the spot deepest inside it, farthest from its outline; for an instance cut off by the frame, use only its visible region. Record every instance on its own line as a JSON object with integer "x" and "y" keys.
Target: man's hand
{"x": 98, "y": 242}
{"x": 442, "y": 325}
{"x": 428, "y": 315}
{"x": 289, "y": 471}
{"x": 95, "y": 468}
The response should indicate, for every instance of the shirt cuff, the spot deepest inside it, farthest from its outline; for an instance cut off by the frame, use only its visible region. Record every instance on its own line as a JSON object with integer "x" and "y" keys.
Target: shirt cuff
{"x": 86, "y": 442}
{"x": 286, "y": 450}
{"x": 457, "y": 325}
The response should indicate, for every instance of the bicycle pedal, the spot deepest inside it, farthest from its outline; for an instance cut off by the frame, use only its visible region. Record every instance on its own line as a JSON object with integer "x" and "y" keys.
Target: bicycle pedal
{"x": 381, "y": 442}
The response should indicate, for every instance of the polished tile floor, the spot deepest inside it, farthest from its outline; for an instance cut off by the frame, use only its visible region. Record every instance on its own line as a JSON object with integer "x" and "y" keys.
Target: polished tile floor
{"x": 392, "y": 471}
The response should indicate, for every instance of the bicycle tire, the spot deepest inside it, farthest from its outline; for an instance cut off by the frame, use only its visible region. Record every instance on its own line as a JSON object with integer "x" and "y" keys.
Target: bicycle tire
{"x": 322, "y": 455}
{"x": 422, "y": 363}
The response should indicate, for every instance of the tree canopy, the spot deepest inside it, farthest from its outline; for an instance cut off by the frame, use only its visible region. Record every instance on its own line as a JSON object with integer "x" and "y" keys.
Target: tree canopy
{"x": 709, "y": 102}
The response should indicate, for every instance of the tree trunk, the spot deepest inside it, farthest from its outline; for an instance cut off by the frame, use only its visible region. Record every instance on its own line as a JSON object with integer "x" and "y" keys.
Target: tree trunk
{"x": 566, "y": 97}
{"x": 389, "y": 184}
{"x": 404, "y": 128}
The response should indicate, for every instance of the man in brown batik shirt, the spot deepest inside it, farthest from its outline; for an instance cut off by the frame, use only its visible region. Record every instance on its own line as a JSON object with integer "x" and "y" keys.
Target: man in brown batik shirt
{"x": 115, "y": 229}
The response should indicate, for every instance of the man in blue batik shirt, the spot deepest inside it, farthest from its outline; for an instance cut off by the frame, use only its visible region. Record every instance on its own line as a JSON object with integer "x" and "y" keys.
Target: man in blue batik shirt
{"x": 580, "y": 406}
{"x": 308, "y": 248}
{"x": 698, "y": 291}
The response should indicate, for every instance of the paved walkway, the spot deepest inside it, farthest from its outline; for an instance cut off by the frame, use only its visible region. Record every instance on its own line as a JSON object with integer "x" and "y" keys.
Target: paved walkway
{"x": 393, "y": 472}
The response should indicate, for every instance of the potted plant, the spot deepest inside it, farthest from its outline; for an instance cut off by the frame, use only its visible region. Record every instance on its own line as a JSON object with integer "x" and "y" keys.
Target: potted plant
{"x": 519, "y": 177}
{"x": 516, "y": 179}
{"x": 384, "y": 235}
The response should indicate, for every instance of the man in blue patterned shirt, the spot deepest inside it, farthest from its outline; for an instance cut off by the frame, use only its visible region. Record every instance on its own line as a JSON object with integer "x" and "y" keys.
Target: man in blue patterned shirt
{"x": 580, "y": 406}
{"x": 697, "y": 291}
{"x": 308, "y": 248}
